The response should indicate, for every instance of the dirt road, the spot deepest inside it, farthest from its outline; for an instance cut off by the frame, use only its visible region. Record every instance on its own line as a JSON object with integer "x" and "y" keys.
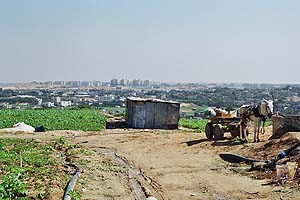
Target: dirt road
{"x": 173, "y": 165}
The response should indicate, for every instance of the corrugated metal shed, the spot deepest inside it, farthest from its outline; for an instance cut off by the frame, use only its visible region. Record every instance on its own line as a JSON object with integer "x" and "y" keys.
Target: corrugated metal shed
{"x": 152, "y": 113}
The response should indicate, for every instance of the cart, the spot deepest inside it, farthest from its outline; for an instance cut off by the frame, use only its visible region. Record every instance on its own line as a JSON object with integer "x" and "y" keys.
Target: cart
{"x": 222, "y": 123}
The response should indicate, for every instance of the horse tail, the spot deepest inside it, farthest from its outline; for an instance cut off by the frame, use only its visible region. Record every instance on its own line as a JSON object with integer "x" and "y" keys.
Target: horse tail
{"x": 263, "y": 125}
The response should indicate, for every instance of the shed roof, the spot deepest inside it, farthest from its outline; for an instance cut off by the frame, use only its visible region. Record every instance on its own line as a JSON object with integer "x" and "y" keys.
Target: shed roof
{"x": 150, "y": 100}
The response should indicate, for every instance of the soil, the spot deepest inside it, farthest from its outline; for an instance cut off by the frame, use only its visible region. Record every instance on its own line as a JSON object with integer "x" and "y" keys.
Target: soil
{"x": 170, "y": 165}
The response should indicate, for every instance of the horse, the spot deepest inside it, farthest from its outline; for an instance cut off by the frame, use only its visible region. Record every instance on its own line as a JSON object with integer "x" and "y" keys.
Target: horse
{"x": 257, "y": 114}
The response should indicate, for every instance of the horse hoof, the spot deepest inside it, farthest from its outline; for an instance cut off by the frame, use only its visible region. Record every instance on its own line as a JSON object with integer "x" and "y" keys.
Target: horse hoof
{"x": 258, "y": 140}
{"x": 245, "y": 141}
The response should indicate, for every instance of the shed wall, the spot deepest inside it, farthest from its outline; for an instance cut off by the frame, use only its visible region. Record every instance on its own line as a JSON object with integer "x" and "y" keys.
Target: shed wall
{"x": 146, "y": 114}
{"x": 150, "y": 115}
{"x": 139, "y": 115}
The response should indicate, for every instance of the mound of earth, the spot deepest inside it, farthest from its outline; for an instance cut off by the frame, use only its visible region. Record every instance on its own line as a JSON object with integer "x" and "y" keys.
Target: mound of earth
{"x": 269, "y": 150}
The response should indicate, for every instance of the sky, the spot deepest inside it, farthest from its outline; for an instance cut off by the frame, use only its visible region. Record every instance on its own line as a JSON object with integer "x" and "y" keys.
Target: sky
{"x": 214, "y": 41}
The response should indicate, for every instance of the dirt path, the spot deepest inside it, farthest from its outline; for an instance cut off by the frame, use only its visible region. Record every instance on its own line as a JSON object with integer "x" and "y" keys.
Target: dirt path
{"x": 182, "y": 171}
{"x": 176, "y": 165}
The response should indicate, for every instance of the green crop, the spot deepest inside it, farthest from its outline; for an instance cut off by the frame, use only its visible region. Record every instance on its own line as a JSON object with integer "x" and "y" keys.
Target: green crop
{"x": 55, "y": 119}
{"x": 197, "y": 124}
{"x": 28, "y": 169}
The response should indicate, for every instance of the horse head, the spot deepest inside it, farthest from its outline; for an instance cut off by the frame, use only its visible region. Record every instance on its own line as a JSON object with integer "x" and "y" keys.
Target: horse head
{"x": 267, "y": 107}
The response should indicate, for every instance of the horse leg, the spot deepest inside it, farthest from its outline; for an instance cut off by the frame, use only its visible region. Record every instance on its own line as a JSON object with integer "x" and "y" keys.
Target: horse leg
{"x": 243, "y": 131}
{"x": 255, "y": 131}
{"x": 258, "y": 129}
{"x": 263, "y": 125}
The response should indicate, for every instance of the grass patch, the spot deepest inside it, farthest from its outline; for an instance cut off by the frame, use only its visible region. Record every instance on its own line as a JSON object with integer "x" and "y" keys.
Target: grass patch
{"x": 32, "y": 170}
{"x": 197, "y": 124}
{"x": 55, "y": 119}
{"x": 268, "y": 122}
{"x": 29, "y": 170}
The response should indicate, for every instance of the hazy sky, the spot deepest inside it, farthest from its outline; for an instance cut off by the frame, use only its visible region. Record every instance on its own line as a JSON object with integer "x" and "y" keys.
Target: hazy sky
{"x": 159, "y": 40}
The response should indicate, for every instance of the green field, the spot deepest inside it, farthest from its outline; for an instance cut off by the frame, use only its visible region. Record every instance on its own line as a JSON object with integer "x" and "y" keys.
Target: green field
{"x": 29, "y": 169}
{"x": 196, "y": 124}
{"x": 55, "y": 119}
{"x": 190, "y": 109}
{"x": 114, "y": 110}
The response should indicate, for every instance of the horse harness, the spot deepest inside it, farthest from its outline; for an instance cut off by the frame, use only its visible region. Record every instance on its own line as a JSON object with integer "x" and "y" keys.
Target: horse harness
{"x": 252, "y": 110}
{"x": 255, "y": 110}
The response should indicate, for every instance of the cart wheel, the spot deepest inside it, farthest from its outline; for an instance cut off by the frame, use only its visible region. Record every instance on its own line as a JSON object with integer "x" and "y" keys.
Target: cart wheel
{"x": 209, "y": 131}
{"x": 235, "y": 132}
{"x": 218, "y": 132}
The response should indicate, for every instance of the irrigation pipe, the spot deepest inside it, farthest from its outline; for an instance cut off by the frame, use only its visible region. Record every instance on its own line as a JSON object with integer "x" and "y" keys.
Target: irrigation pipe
{"x": 71, "y": 184}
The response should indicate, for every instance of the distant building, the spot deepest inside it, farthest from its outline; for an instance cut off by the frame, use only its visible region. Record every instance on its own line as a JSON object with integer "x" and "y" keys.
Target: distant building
{"x": 106, "y": 98}
{"x": 39, "y": 101}
{"x": 49, "y": 83}
{"x": 86, "y": 83}
{"x": 106, "y": 84}
{"x": 97, "y": 83}
{"x": 68, "y": 83}
{"x": 146, "y": 83}
{"x": 152, "y": 113}
{"x": 137, "y": 82}
{"x": 58, "y": 83}
{"x": 114, "y": 82}
{"x": 75, "y": 83}
{"x": 48, "y": 105}
{"x": 293, "y": 99}
{"x": 65, "y": 103}
{"x": 57, "y": 101}
{"x": 251, "y": 85}
{"x": 124, "y": 82}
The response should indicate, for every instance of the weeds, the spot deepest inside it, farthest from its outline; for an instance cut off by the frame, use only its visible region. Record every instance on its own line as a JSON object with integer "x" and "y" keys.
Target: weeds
{"x": 31, "y": 170}
{"x": 75, "y": 195}
{"x": 238, "y": 141}
{"x": 12, "y": 185}
{"x": 25, "y": 165}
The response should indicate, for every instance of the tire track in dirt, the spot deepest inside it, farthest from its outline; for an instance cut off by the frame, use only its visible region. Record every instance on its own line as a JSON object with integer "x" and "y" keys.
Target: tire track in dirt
{"x": 184, "y": 172}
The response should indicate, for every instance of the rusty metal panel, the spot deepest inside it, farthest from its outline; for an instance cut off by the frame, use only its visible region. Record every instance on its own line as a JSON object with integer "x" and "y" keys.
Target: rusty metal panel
{"x": 149, "y": 115}
{"x": 160, "y": 115}
{"x": 152, "y": 113}
{"x": 173, "y": 116}
{"x": 139, "y": 115}
{"x": 129, "y": 113}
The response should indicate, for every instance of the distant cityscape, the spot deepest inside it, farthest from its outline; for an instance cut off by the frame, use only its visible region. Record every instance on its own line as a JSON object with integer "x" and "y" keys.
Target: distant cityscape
{"x": 147, "y": 83}
{"x": 113, "y": 94}
{"x": 113, "y": 82}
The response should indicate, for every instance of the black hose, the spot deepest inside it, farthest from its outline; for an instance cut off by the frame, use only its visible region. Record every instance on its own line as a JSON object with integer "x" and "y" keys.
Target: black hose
{"x": 71, "y": 184}
{"x": 282, "y": 154}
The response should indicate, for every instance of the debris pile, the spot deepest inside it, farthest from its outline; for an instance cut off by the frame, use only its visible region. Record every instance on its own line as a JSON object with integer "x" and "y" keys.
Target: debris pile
{"x": 269, "y": 151}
